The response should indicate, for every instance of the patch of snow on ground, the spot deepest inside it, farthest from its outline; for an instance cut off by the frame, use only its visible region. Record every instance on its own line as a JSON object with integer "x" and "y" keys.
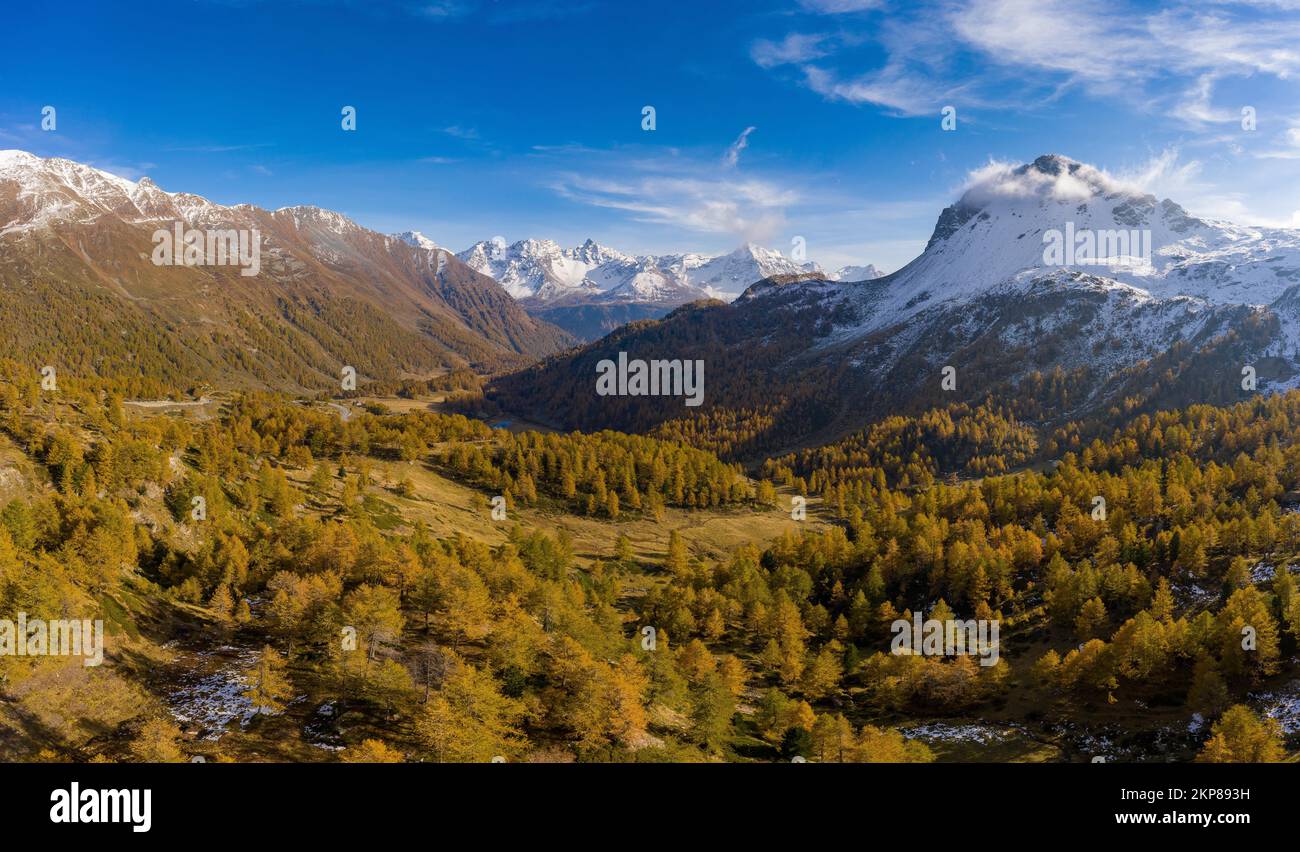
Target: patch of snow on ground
{"x": 210, "y": 695}
{"x": 1263, "y": 571}
{"x": 1282, "y": 705}
{"x": 958, "y": 733}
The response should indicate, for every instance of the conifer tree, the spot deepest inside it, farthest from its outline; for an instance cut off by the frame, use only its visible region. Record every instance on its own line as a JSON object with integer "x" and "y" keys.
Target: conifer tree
{"x": 268, "y": 684}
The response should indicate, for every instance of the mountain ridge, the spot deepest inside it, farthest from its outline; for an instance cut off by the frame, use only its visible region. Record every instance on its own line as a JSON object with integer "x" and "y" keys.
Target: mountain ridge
{"x": 328, "y": 293}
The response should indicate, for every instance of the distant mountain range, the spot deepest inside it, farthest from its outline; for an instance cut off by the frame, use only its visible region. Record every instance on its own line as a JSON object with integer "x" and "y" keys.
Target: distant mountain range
{"x": 81, "y": 290}
{"x": 592, "y": 289}
{"x": 1175, "y": 316}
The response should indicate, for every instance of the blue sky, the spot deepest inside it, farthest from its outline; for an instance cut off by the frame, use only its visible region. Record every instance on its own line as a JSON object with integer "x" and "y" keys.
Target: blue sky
{"x": 477, "y": 119}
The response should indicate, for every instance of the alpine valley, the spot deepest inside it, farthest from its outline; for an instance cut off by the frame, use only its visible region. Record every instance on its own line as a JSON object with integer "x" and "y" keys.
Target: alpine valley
{"x": 357, "y": 497}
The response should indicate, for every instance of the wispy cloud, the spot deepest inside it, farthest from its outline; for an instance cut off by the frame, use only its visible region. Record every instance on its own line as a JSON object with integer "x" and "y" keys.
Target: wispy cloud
{"x": 683, "y": 191}
{"x": 999, "y": 53}
{"x": 733, "y": 150}
{"x": 130, "y": 171}
{"x": 794, "y": 48}
{"x": 1286, "y": 146}
{"x": 894, "y": 87}
{"x": 744, "y": 209}
{"x": 444, "y": 9}
{"x": 461, "y": 132}
{"x": 1086, "y": 43}
{"x": 568, "y": 148}
{"x": 1196, "y": 107}
{"x": 1164, "y": 175}
{"x": 1226, "y": 43}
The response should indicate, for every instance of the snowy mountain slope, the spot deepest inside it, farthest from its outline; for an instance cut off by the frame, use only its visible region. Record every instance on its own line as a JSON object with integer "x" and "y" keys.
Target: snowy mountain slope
{"x": 992, "y": 240}
{"x": 39, "y": 192}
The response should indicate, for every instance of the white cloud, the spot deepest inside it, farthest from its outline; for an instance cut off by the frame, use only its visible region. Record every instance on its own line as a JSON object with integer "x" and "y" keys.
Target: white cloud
{"x": 795, "y": 47}
{"x": 1195, "y": 107}
{"x": 682, "y": 191}
{"x": 1245, "y": 199}
{"x": 733, "y": 151}
{"x": 1085, "y": 41}
{"x": 461, "y": 132}
{"x": 748, "y": 210}
{"x": 1169, "y": 60}
{"x": 1288, "y": 148}
{"x": 130, "y": 171}
{"x": 1225, "y": 44}
{"x": 1162, "y": 175}
{"x": 893, "y": 87}
{"x": 1001, "y": 179}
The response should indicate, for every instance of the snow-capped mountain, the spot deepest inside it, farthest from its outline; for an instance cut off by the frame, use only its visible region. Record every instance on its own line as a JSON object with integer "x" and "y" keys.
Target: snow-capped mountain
{"x": 855, "y": 273}
{"x": 592, "y": 289}
{"x": 537, "y": 268}
{"x": 542, "y": 270}
{"x": 40, "y": 192}
{"x": 1002, "y": 232}
{"x": 1006, "y": 235}
{"x": 728, "y": 275}
{"x": 1050, "y": 284}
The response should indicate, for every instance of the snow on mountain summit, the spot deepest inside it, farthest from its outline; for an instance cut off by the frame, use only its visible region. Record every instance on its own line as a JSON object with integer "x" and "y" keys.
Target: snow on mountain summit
{"x": 997, "y": 236}
{"x": 417, "y": 239}
{"x": 51, "y": 190}
{"x": 856, "y": 273}
{"x": 731, "y": 273}
{"x": 543, "y": 271}
{"x": 1083, "y": 250}
{"x": 533, "y": 268}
